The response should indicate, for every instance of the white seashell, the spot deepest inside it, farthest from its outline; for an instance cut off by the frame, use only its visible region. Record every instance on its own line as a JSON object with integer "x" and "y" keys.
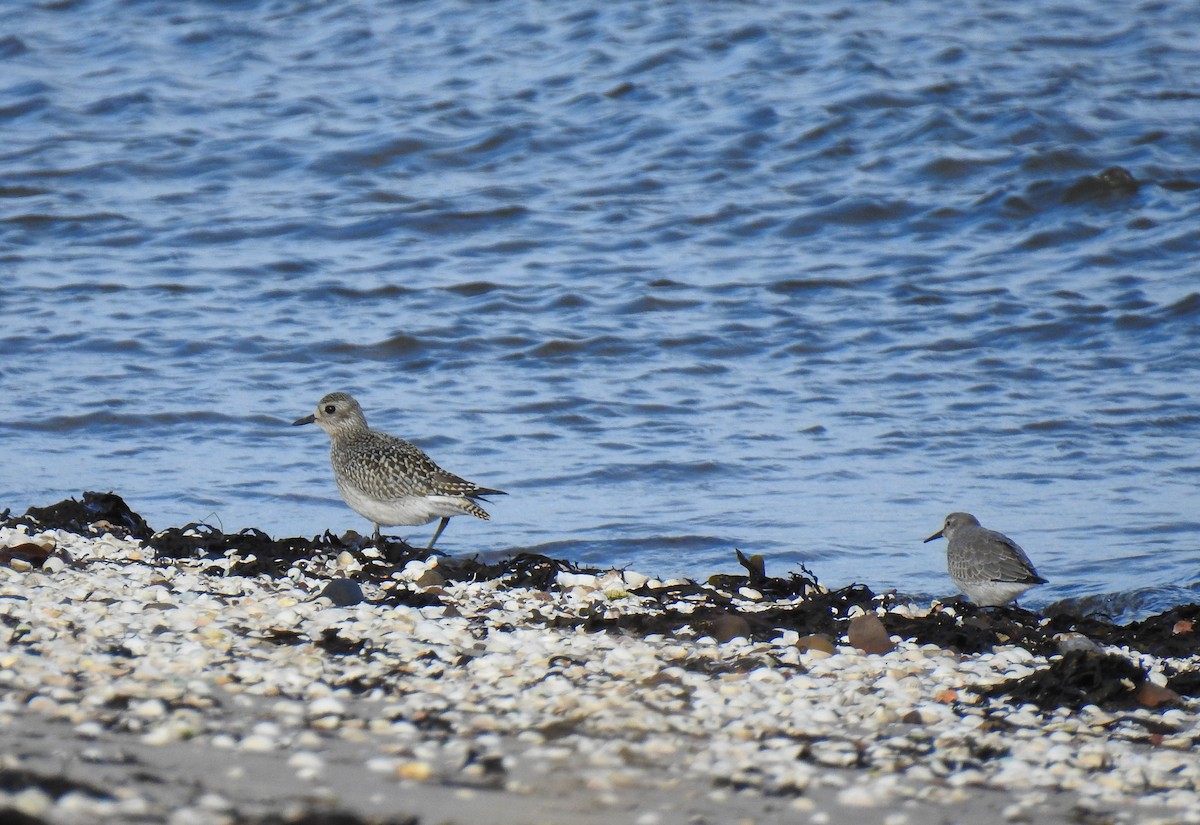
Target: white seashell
{"x": 32, "y": 802}
{"x": 859, "y": 796}
{"x": 89, "y": 730}
{"x": 53, "y": 564}
{"x": 149, "y": 709}
{"x": 414, "y": 570}
{"x": 327, "y": 705}
{"x": 611, "y": 579}
{"x": 162, "y": 735}
{"x": 257, "y": 743}
{"x": 633, "y": 580}
{"x": 567, "y": 580}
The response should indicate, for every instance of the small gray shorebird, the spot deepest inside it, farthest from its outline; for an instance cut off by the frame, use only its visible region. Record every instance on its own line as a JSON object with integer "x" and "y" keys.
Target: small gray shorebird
{"x": 988, "y": 567}
{"x": 386, "y": 479}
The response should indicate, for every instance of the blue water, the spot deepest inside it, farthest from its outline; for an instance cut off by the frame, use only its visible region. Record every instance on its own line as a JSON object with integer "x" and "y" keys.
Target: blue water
{"x": 797, "y": 279}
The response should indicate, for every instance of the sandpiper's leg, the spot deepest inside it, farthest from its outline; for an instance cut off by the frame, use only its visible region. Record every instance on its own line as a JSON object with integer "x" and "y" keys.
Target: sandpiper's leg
{"x": 441, "y": 526}
{"x": 377, "y": 537}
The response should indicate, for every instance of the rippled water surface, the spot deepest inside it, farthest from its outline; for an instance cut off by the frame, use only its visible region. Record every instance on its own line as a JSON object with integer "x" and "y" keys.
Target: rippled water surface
{"x": 797, "y": 279}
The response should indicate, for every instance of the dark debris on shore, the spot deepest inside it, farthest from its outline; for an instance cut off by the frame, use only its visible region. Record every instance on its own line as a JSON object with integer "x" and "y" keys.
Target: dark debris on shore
{"x": 1079, "y": 673}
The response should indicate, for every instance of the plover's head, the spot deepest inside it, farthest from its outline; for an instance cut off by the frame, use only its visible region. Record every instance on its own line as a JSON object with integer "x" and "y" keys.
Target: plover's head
{"x": 952, "y": 523}
{"x": 337, "y": 414}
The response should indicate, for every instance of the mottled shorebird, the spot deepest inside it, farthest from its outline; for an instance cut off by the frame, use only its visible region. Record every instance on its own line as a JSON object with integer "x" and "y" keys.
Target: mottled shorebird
{"x": 387, "y": 480}
{"x": 988, "y": 567}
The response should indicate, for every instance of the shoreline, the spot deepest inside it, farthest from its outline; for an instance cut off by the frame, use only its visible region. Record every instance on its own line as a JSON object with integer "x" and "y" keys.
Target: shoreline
{"x": 219, "y": 685}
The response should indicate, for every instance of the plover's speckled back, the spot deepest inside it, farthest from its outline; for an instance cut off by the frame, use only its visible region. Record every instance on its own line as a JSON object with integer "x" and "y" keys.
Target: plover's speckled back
{"x": 988, "y": 567}
{"x": 384, "y": 478}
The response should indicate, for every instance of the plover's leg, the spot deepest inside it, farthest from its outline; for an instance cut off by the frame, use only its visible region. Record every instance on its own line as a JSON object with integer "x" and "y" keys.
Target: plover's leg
{"x": 441, "y": 526}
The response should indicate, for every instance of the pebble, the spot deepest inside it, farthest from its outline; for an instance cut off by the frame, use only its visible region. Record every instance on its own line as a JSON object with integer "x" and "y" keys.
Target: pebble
{"x": 413, "y": 771}
{"x": 343, "y": 592}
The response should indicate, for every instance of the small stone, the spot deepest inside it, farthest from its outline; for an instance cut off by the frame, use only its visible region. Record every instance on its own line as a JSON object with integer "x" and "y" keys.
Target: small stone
{"x": 919, "y": 716}
{"x": 343, "y": 592}
{"x": 414, "y": 771}
{"x": 430, "y": 578}
{"x": 815, "y": 642}
{"x": 1150, "y": 695}
{"x": 730, "y": 626}
{"x": 1071, "y": 642}
{"x": 869, "y": 635}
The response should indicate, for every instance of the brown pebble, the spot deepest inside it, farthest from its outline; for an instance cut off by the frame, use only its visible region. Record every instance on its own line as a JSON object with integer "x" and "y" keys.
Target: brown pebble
{"x": 1150, "y": 695}
{"x": 730, "y": 626}
{"x": 869, "y": 635}
{"x": 430, "y": 578}
{"x": 1183, "y": 626}
{"x": 815, "y": 641}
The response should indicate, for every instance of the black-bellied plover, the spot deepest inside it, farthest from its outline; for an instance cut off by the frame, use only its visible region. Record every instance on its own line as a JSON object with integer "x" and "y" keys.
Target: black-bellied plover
{"x": 988, "y": 567}
{"x": 384, "y": 478}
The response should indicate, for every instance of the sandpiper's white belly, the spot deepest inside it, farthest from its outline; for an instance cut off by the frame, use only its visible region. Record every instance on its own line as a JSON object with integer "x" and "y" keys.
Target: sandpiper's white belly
{"x": 991, "y": 593}
{"x": 406, "y": 511}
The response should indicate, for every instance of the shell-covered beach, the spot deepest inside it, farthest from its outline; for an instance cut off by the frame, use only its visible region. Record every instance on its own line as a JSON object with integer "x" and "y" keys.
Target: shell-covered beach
{"x": 190, "y": 676}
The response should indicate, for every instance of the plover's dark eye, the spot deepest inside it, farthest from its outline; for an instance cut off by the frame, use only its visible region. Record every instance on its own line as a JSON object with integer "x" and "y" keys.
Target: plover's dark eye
{"x": 330, "y": 409}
